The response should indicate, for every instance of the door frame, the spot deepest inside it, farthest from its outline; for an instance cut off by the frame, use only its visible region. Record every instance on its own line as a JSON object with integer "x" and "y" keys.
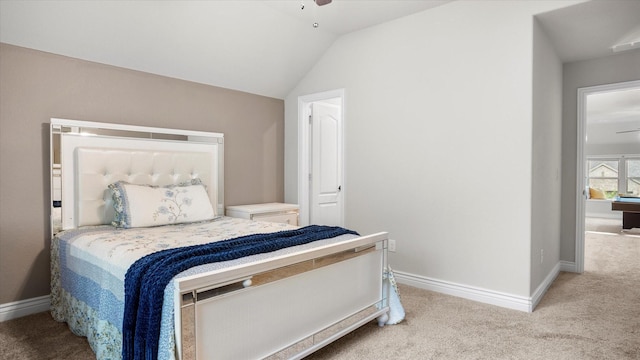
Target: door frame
{"x": 581, "y": 195}
{"x": 304, "y": 149}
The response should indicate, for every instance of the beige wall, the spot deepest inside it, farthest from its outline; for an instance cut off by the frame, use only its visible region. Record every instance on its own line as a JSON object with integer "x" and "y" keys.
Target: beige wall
{"x": 36, "y": 86}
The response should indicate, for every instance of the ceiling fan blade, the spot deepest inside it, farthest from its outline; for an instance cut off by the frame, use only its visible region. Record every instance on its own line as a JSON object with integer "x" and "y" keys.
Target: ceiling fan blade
{"x": 322, "y": 2}
{"x": 627, "y": 131}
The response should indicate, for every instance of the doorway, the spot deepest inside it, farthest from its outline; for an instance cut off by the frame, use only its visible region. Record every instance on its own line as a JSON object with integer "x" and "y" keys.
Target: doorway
{"x": 321, "y": 191}
{"x": 613, "y": 142}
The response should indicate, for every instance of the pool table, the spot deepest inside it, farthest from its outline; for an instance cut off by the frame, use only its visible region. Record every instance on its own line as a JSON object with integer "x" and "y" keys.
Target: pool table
{"x": 630, "y": 208}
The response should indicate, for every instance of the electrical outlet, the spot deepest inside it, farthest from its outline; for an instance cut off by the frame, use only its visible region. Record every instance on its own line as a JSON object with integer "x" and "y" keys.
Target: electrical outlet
{"x": 541, "y": 256}
{"x": 392, "y": 245}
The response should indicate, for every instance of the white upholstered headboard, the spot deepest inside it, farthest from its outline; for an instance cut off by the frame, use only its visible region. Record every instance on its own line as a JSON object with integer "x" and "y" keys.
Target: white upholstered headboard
{"x": 94, "y": 155}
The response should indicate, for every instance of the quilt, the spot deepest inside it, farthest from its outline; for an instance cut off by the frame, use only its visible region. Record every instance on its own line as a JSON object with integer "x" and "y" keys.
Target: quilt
{"x": 88, "y": 268}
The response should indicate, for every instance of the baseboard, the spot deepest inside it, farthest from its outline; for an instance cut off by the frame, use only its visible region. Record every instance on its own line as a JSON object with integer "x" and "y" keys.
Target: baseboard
{"x": 483, "y": 295}
{"x": 467, "y": 292}
{"x": 35, "y": 305}
{"x": 544, "y": 286}
{"x": 24, "y": 307}
{"x": 568, "y": 266}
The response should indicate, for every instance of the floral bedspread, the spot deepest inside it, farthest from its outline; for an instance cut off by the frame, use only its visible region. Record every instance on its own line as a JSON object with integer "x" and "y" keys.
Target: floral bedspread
{"x": 88, "y": 266}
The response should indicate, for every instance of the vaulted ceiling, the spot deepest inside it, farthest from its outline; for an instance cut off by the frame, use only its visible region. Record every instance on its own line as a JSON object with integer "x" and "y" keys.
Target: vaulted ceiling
{"x": 258, "y": 46}
{"x": 262, "y": 47}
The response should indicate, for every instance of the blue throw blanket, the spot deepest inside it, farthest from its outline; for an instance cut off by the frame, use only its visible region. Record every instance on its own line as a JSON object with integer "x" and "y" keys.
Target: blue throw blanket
{"x": 147, "y": 278}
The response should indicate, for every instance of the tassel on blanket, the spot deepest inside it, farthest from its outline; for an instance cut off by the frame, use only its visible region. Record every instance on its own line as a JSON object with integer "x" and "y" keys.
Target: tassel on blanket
{"x": 396, "y": 310}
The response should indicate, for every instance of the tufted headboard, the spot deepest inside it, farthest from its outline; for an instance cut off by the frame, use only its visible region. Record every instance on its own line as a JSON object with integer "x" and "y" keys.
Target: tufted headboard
{"x": 91, "y": 162}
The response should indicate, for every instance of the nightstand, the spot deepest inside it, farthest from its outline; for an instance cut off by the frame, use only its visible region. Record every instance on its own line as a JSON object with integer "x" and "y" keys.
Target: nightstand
{"x": 273, "y": 212}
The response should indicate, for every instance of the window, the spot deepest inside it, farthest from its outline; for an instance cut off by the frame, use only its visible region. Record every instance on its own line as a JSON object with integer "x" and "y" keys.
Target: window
{"x": 614, "y": 175}
{"x": 603, "y": 175}
{"x": 633, "y": 176}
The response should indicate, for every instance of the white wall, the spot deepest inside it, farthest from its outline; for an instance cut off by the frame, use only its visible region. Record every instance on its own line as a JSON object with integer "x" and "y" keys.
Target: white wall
{"x": 432, "y": 101}
{"x": 610, "y": 149}
{"x": 547, "y": 160}
{"x": 601, "y": 209}
{"x": 608, "y": 70}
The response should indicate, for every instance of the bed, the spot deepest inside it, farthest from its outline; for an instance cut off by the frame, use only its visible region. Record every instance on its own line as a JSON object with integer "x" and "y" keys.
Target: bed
{"x": 260, "y": 290}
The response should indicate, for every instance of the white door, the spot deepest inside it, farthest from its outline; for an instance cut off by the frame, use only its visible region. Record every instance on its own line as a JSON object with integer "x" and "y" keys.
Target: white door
{"x": 326, "y": 165}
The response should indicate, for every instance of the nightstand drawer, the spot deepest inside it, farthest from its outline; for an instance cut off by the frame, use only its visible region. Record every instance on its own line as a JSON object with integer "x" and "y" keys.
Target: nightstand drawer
{"x": 291, "y": 219}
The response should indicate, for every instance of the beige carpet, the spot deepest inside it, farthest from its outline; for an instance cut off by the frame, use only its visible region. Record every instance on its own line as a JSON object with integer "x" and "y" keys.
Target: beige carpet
{"x": 595, "y": 315}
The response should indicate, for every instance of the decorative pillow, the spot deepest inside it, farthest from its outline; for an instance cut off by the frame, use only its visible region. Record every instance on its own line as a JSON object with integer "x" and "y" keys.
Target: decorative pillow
{"x": 146, "y": 205}
{"x": 596, "y": 194}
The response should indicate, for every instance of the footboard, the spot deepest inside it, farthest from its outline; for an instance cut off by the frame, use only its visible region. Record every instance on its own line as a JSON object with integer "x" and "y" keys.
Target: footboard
{"x": 283, "y": 307}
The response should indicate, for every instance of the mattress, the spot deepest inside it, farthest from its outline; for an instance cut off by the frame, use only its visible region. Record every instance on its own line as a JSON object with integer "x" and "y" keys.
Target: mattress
{"x": 88, "y": 267}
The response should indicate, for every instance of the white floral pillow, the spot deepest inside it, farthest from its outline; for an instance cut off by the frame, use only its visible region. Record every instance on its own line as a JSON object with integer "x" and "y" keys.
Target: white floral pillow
{"x": 146, "y": 205}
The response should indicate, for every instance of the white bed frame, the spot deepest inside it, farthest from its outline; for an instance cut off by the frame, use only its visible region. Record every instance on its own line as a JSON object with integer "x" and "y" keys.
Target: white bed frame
{"x": 282, "y": 307}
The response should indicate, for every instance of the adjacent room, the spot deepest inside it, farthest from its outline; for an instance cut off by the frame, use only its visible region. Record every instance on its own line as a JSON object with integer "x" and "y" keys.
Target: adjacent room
{"x": 443, "y": 179}
{"x": 612, "y": 155}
